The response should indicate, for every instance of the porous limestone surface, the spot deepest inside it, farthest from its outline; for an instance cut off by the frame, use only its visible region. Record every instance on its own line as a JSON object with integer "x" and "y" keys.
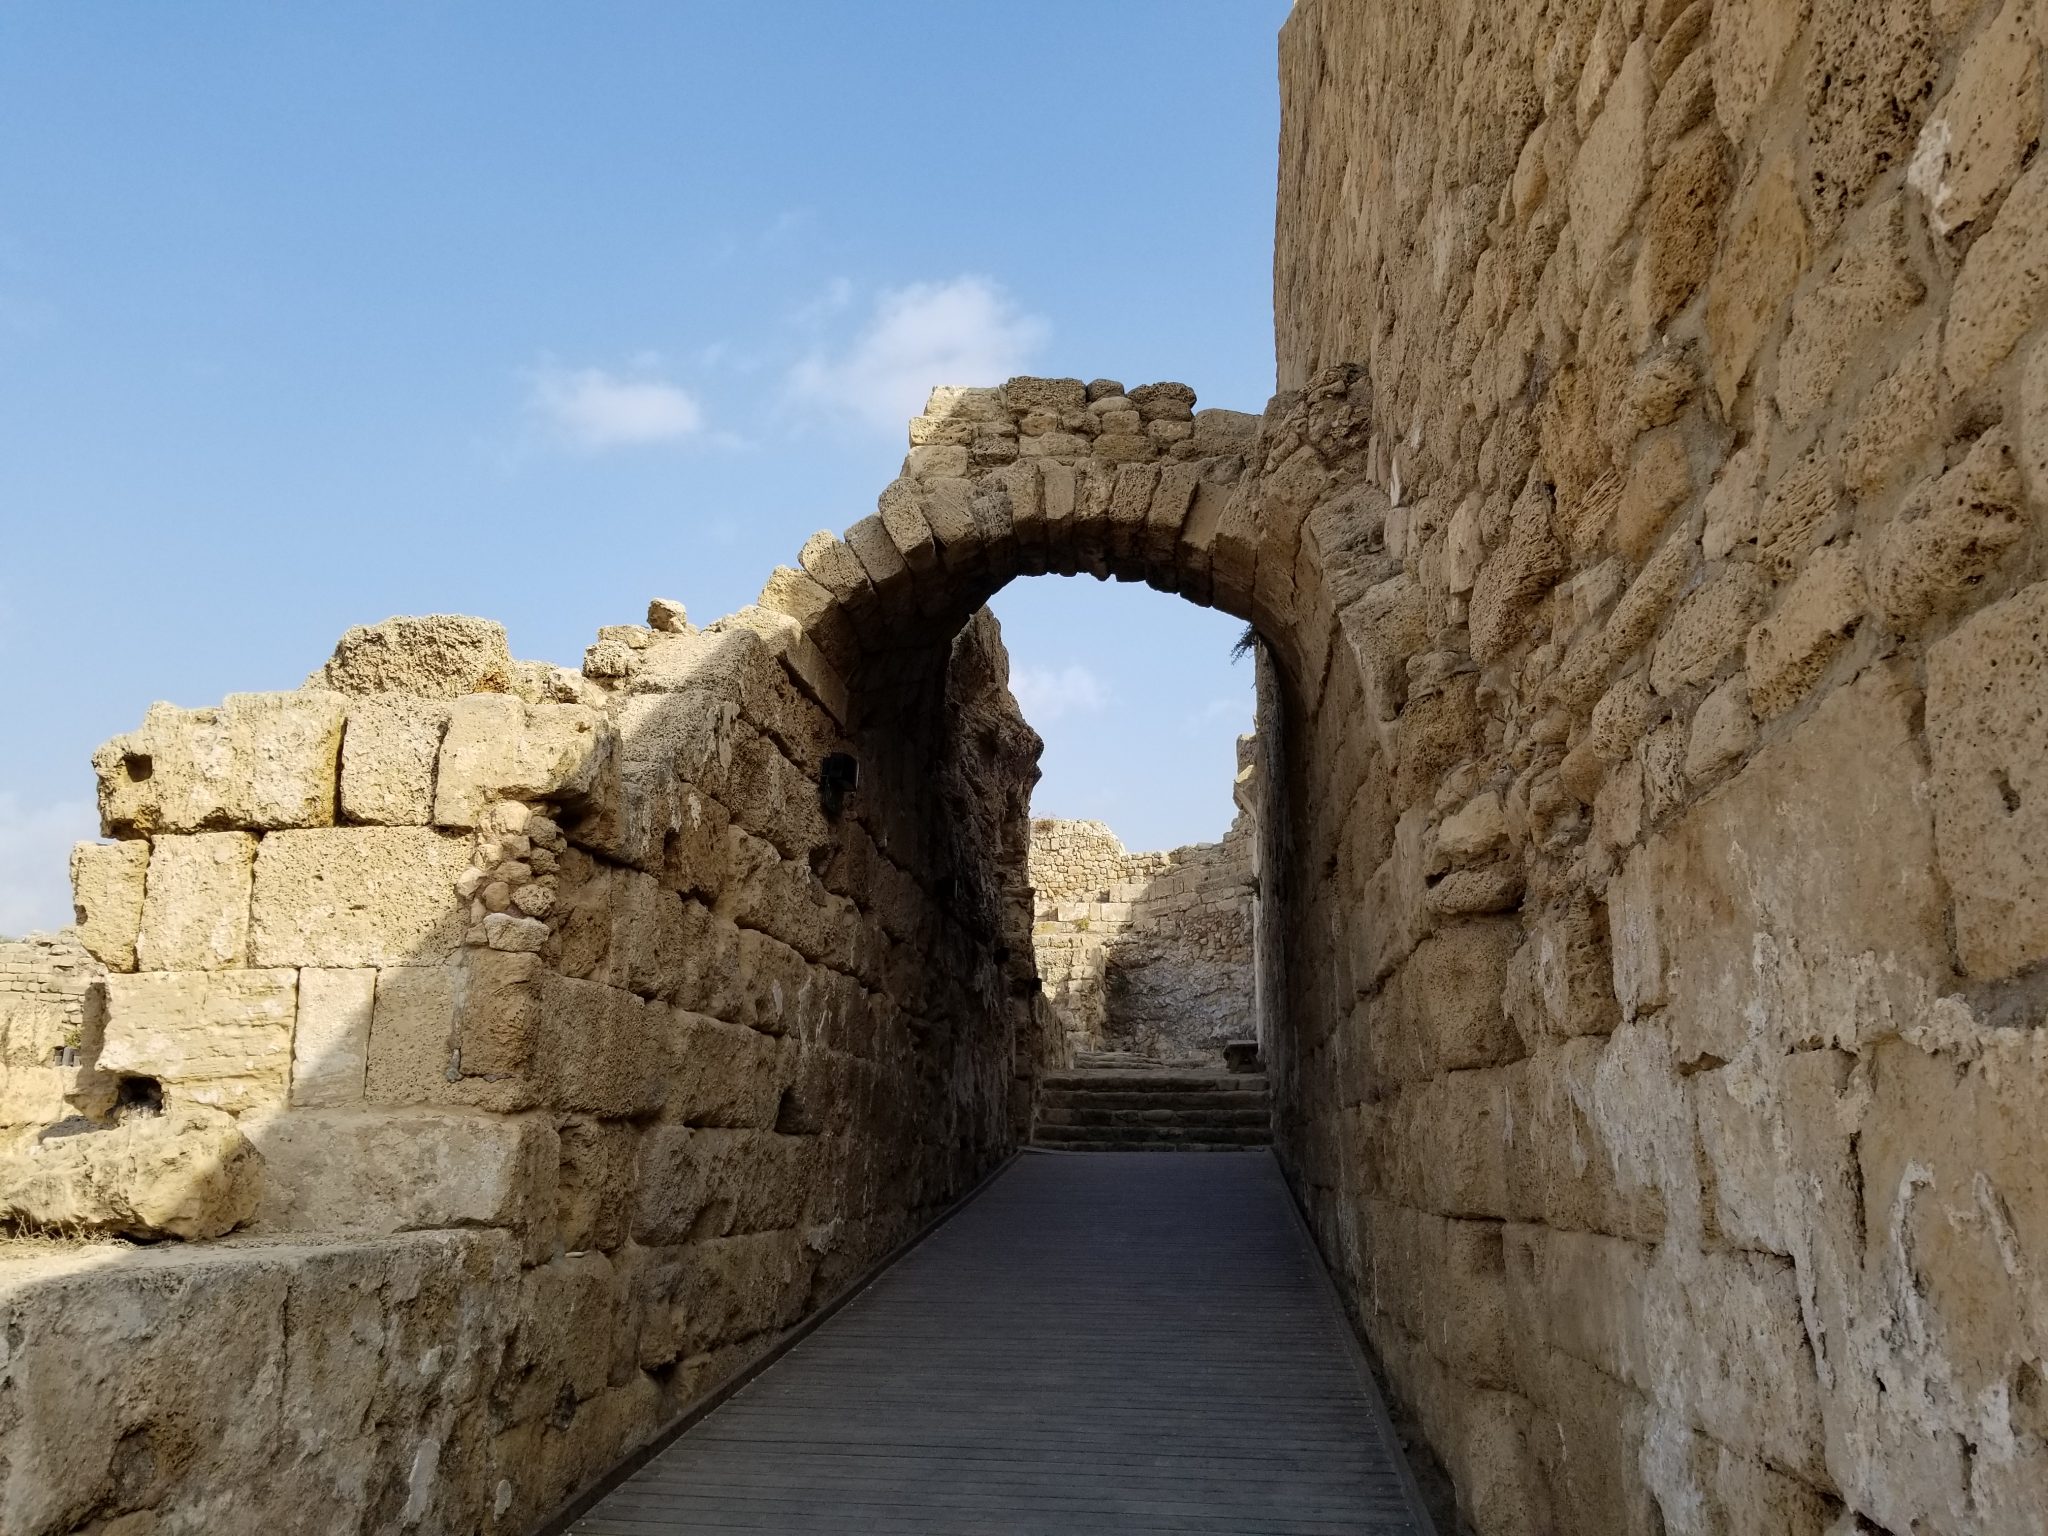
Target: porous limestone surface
{"x": 1644, "y": 551}
{"x": 1144, "y": 952}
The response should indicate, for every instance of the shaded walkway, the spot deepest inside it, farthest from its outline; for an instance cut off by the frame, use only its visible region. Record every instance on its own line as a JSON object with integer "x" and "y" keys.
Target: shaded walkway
{"x": 1102, "y": 1342}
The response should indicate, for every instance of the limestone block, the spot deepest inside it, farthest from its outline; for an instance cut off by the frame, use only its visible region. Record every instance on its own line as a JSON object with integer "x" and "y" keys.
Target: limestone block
{"x": 1560, "y": 983}
{"x": 1801, "y": 511}
{"x": 413, "y": 1039}
{"x": 1728, "y": 1352}
{"x": 2032, "y": 444}
{"x": 1441, "y": 1011}
{"x": 222, "y": 1039}
{"x": 879, "y": 558}
{"x": 331, "y": 1039}
{"x": 1732, "y": 502}
{"x": 1659, "y": 481}
{"x": 1765, "y": 252}
{"x": 1871, "y": 284}
{"x": 1787, "y": 653}
{"x": 1707, "y": 627}
{"x": 257, "y": 761}
{"x": 725, "y": 1074}
{"x": 1869, "y": 70}
{"x": 2003, "y": 286}
{"x": 189, "y": 1174}
{"x": 436, "y": 656}
{"x": 712, "y": 1291}
{"x": 1951, "y": 533}
{"x": 1608, "y": 175}
{"x": 195, "y": 915}
{"x": 107, "y": 883}
{"x": 403, "y": 1170}
{"x": 600, "y": 1050}
{"x": 1723, "y": 728}
{"x": 501, "y": 747}
{"x": 1897, "y": 418}
{"x": 388, "y": 751}
{"x": 1798, "y": 903}
{"x": 697, "y": 1183}
{"x": 1988, "y": 738}
{"x": 357, "y": 896}
{"x": 1735, "y": 1110}
{"x": 1030, "y": 394}
{"x": 1956, "y": 1226}
{"x": 1981, "y": 131}
{"x": 1679, "y": 223}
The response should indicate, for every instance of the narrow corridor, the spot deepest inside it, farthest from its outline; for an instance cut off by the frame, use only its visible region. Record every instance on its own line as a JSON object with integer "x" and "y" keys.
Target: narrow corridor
{"x": 1100, "y": 1342}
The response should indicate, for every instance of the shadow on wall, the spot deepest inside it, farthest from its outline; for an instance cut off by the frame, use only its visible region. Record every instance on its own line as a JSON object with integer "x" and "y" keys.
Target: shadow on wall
{"x": 531, "y": 1048}
{"x": 546, "y": 1041}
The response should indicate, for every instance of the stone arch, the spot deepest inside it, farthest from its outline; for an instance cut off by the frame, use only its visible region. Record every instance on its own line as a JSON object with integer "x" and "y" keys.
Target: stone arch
{"x": 1056, "y": 476}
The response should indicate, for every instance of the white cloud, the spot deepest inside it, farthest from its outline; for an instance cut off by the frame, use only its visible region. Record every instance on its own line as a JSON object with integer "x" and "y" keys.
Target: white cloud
{"x": 35, "y": 861}
{"x": 592, "y": 409}
{"x": 1048, "y": 694}
{"x": 966, "y": 331}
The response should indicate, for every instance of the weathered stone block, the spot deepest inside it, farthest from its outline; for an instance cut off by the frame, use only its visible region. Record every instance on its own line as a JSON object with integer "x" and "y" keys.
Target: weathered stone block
{"x": 1762, "y": 258}
{"x": 433, "y": 656}
{"x": 1988, "y": 738}
{"x": 257, "y": 761}
{"x": 195, "y": 915}
{"x": 388, "y": 751}
{"x": 217, "y": 1038}
{"x": 1787, "y": 653}
{"x": 331, "y": 1039}
{"x": 356, "y": 896}
{"x": 403, "y": 1170}
{"x": 500, "y": 747}
{"x": 107, "y": 883}
{"x": 181, "y": 1175}
{"x": 1798, "y": 903}
{"x": 2003, "y": 286}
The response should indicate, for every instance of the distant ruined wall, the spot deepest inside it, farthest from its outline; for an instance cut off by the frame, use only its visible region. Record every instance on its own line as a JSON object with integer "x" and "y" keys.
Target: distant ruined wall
{"x": 561, "y": 1040}
{"x": 1661, "y": 1057}
{"x": 50, "y": 994}
{"x": 1147, "y": 952}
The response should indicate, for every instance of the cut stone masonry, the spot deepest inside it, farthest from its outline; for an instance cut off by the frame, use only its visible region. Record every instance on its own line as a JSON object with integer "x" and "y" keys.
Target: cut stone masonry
{"x": 1648, "y": 909}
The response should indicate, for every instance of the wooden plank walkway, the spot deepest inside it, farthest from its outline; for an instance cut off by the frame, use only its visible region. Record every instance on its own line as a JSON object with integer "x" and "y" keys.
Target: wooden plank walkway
{"x": 1101, "y": 1342}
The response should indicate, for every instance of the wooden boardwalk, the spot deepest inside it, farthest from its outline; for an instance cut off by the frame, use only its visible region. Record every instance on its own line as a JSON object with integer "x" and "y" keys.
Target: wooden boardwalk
{"x": 1101, "y": 1342}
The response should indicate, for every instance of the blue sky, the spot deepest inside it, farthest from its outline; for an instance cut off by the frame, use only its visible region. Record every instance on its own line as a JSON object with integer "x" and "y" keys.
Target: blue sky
{"x": 314, "y": 315}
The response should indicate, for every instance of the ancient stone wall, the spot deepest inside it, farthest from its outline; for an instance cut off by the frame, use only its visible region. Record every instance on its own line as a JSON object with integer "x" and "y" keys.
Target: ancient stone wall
{"x": 1144, "y": 952}
{"x": 49, "y": 997}
{"x": 559, "y": 1039}
{"x": 1661, "y": 1054}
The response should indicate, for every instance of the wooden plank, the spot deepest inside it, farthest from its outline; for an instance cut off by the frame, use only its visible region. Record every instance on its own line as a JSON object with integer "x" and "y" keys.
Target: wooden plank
{"x": 1103, "y": 1342}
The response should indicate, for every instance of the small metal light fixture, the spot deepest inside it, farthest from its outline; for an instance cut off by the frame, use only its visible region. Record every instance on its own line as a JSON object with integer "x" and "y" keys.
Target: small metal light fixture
{"x": 838, "y": 777}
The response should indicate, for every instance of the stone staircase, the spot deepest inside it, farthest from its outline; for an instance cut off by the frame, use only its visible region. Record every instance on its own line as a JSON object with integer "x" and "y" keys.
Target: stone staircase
{"x": 1115, "y": 1102}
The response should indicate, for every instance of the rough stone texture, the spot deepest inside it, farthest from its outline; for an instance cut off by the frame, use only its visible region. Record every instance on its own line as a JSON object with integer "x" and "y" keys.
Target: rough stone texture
{"x": 1648, "y": 969}
{"x": 1144, "y": 952}
{"x": 1745, "y": 1145}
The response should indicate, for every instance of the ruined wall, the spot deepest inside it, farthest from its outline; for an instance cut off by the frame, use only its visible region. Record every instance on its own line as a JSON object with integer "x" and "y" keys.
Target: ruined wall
{"x": 49, "y": 996}
{"x": 1661, "y": 1057}
{"x": 548, "y": 1042}
{"x": 1145, "y": 952}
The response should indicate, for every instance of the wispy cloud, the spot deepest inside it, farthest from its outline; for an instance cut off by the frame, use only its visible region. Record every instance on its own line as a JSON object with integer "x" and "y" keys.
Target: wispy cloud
{"x": 1051, "y": 693}
{"x": 35, "y": 861}
{"x": 964, "y": 331}
{"x": 595, "y": 410}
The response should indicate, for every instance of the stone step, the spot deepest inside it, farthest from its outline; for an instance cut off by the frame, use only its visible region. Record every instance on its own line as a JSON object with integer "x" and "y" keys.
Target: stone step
{"x": 1185, "y": 1119}
{"x": 1066, "y": 1099}
{"x": 1108, "y": 1138}
{"x": 1154, "y": 1081}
